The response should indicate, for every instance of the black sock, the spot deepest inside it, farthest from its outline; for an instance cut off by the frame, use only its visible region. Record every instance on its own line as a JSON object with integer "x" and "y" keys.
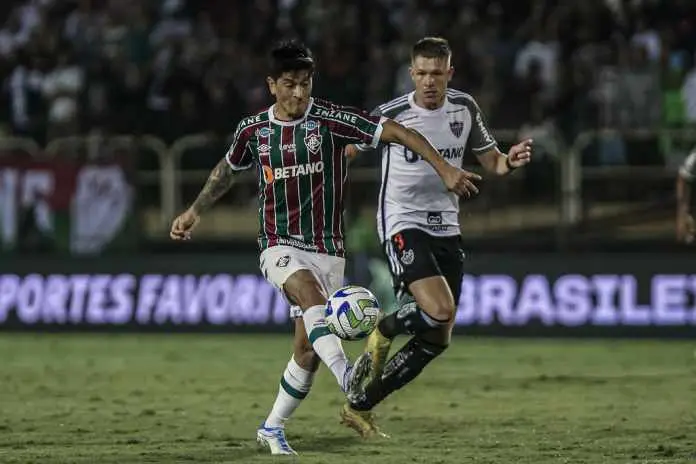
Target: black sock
{"x": 403, "y": 367}
{"x": 410, "y": 319}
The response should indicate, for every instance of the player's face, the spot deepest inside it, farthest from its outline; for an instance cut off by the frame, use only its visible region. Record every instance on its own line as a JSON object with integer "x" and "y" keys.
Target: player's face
{"x": 431, "y": 76}
{"x": 292, "y": 91}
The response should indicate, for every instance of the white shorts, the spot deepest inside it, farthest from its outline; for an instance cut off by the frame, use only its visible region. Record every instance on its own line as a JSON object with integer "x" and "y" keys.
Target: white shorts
{"x": 280, "y": 262}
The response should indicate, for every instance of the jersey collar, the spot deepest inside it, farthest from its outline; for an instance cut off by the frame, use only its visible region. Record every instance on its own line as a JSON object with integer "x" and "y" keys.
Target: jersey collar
{"x": 294, "y": 122}
{"x": 425, "y": 111}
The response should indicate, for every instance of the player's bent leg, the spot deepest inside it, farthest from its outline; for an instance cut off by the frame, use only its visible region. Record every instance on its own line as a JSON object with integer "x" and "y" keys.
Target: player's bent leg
{"x": 433, "y": 308}
{"x": 304, "y": 289}
{"x": 431, "y": 329}
{"x": 401, "y": 369}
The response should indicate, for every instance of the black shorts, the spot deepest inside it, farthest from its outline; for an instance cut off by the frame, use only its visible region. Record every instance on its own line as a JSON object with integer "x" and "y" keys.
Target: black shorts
{"x": 413, "y": 255}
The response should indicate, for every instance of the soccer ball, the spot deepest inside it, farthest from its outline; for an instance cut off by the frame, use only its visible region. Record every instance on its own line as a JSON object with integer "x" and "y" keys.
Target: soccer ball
{"x": 352, "y": 312}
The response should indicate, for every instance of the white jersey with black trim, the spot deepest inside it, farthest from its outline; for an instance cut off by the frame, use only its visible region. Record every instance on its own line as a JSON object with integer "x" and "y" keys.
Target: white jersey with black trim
{"x": 688, "y": 167}
{"x": 412, "y": 194}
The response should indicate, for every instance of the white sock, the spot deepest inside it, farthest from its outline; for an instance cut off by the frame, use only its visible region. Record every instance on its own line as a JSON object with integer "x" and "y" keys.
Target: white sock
{"x": 294, "y": 386}
{"x": 326, "y": 345}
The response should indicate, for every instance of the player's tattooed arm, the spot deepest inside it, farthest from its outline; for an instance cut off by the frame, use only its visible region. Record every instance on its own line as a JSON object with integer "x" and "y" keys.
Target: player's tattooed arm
{"x": 218, "y": 183}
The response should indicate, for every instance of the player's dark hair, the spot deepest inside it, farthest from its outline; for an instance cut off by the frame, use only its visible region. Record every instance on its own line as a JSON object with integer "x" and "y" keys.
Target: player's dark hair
{"x": 431, "y": 47}
{"x": 290, "y": 56}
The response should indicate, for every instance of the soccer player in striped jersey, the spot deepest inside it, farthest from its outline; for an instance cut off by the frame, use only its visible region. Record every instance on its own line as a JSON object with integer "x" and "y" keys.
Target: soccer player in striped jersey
{"x": 297, "y": 148}
{"x": 685, "y": 221}
{"x": 418, "y": 224}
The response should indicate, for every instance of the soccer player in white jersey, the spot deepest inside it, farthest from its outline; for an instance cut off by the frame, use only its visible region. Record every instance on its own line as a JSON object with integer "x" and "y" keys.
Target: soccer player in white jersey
{"x": 418, "y": 224}
{"x": 685, "y": 221}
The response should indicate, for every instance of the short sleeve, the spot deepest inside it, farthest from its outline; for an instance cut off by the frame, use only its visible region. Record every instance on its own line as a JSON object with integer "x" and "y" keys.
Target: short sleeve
{"x": 239, "y": 157}
{"x": 688, "y": 168}
{"x": 377, "y": 112}
{"x": 480, "y": 138}
{"x": 356, "y": 126}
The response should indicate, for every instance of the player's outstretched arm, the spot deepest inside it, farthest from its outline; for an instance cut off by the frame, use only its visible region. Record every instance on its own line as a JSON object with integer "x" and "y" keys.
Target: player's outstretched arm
{"x": 218, "y": 183}
{"x": 499, "y": 163}
{"x": 457, "y": 180}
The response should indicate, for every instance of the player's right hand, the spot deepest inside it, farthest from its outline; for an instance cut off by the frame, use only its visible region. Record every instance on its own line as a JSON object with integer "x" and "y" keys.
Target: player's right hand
{"x": 686, "y": 228}
{"x": 460, "y": 181}
{"x": 183, "y": 225}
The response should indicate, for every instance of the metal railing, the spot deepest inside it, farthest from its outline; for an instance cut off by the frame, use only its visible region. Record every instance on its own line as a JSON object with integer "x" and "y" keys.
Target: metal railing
{"x": 177, "y": 169}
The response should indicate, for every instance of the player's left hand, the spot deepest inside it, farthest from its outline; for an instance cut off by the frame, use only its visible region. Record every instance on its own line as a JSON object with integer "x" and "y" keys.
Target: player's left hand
{"x": 520, "y": 154}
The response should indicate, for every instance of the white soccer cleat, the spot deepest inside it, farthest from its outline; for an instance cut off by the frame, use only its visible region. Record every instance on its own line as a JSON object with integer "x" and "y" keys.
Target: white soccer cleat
{"x": 274, "y": 439}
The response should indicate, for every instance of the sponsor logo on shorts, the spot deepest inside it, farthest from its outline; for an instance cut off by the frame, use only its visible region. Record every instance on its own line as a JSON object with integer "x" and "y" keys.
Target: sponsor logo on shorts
{"x": 440, "y": 228}
{"x": 283, "y": 261}
{"x": 434, "y": 218}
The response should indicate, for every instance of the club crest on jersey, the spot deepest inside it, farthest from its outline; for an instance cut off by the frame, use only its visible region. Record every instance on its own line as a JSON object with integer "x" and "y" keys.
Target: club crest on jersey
{"x": 457, "y": 127}
{"x": 313, "y": 143}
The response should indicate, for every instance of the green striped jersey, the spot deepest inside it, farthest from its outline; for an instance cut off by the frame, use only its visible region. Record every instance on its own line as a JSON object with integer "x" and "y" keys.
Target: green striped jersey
{"x": 301, "y": 172}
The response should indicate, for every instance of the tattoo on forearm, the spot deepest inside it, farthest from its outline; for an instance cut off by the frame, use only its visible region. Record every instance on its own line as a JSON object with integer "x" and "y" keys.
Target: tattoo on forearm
{"x": 219, "y": 182}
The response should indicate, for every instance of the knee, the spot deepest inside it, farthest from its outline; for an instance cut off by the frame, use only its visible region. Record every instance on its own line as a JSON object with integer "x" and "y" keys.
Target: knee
{"x": 442, "y": 311}
{"x": 304, "y": 290}
{"x": 305, "y": 356}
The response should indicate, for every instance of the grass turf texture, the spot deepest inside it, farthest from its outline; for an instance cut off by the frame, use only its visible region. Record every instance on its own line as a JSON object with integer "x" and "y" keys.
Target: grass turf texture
{"x": 192, "y": 398}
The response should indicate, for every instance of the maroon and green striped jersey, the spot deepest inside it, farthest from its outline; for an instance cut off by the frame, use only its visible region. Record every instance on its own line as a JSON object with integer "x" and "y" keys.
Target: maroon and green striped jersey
{"x": 301, "y": 172}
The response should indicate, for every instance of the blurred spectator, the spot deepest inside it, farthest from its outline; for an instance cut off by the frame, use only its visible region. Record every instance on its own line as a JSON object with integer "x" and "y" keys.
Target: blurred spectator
{"x": 689, "y": 93}
{"x": 175, "y": 67}
{"x": 539, "y": 56}
{"x": 639, "y": 99}
{"x": 61, "y": 88}
{"x": 647, "y": 39}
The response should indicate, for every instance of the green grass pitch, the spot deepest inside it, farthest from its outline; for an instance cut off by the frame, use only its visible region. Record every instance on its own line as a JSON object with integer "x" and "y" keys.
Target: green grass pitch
{"x": 195, "y": 398}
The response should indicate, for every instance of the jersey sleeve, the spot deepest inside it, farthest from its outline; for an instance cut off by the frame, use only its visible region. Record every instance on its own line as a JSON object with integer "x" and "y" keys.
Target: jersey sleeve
{"x": 688, "y": 168}
{"x": 359, "y": 127}
{"x": 377, "y": 112}
{"x": 480, "y": 138}
{"x": 239, "y": 156}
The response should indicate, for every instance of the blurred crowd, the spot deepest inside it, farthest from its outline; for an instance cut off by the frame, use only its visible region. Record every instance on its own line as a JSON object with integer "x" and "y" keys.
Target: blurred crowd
{"x": 175, "y": 67}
